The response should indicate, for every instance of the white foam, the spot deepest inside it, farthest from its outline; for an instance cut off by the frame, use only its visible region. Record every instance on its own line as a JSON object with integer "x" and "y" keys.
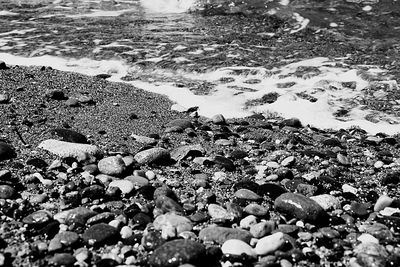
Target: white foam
{"x": 167, "y": 6}
{"x": 231, "y": 98}
{"x": 103, "y": 13}
{"x": 7, "y": 13}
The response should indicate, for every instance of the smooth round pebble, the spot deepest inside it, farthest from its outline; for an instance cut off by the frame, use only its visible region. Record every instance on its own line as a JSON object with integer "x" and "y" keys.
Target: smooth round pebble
{"x": 237, "y": 247}
{"x": 113, "y": 166}
{"x": 269, "y": 244}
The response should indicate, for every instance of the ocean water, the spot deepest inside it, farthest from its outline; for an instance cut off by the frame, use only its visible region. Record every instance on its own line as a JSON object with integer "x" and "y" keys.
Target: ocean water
{"x": 171, "y": 47}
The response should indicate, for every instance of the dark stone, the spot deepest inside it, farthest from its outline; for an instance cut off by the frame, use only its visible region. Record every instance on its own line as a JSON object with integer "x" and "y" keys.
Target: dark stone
{"x": 3, "y": 65}
{"x": 391, "y": 178}
{"x": 68, "y": 135}
{"x": 271, "y": 190}
{"x": 293, "y": 122}
{"x": 103, "y": 76}
{"x": 152, "y": 240}
{"x": 62, "y": 259}
{"x": 238, "y": 154}
{"x": 224, "y": 163}
{"x": 167, "y": 204}
{"x": 107, "y": 263}
{"x": 7, "y": 192}
{"x": 6, "y": 151}
{"x": 332, "y": 142}
{"x": 300, "y": 207}
{"x": 246, "y": 184}
{"x": 100, "y": 234}
{"x": 360, "y": 209}
{"x": 141, "y": 219}
{"x": 177, "y": 252}
{"x": 56, "y": 95}
{"x": 50, "y": 229}
{"x": 37, "y": 162}
{"x": 181, "y": 123}
{"x": 93, "y": 192}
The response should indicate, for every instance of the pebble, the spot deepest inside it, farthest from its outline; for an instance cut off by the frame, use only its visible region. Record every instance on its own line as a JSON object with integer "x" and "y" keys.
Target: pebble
{"x": 7, "y": 192}
{"x": 172, "y": 224}
{"x": 271, "y": 190}
{"x": 6, "y": 151}
{"x": 237, "y": 247}
{"x": 269, "y": 244}
{"x": 125, "y": 186}
{"x": 144, "y": 139}
{"x": 289, "y": 161}
{"x": 221, "y": 234}
{"x": 113, "y": 166}
{"x": 176, "y": 252}
{"x": 224, "y": 163}
{"x": 344, "y": 160}
{"x": 349, "y": 189}
{"x": 100, "y": 234}
{"x": 218, "y": 119}
{"x": 300, "y": 207}
{"x": 382, "y": 202}
{"x": 248, "y": 221}
{"x": 63, "y": 239}
{"x": 256, "y": 209}
{"x": 262, "y": 228}
{"x": 126, "y": 232}
{"x": 137, "y": 181}
{"x": 66, "y": 149}
{"x": 371, "y": 254}
{"x": 219, "y": 213}
{"x": 152, "y": 155}
{"x": 326, "y": 201}
{"x": 76, "y": 215}
{"x": 4, "y": 98}
{"x": 166, "y": 204}
{"x": 62, "y": 259}
{"x": 37, "y": 218}
{"x": 247, "y": 194}
{"x": 367, "y": 238}
{"x": 181, "y": 123}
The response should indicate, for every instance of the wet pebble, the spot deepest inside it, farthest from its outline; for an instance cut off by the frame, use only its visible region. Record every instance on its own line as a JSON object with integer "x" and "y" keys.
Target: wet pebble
{"x": 326, "y": 201}
{"x": 100, "y": 234}
{"x": 247, "y": 194}
{"x": 300, "y": 207}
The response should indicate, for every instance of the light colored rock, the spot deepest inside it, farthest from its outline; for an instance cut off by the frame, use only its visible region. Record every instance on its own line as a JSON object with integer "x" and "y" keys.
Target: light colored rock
{"x": 152, "y": 155}
{"x": 327, "y": 201}
{"x": 237, "y": 247}
{"x": 172, "y": 224}
{"x": 269, "y": 244}
{"x": 349, "y": 189}
{"x": 262, "y": 229}
{"x": 248, "y": 221}
{"x": 114, "y": 166}
{"x": 365, "y": 238}
{"x": 383, "y": 202}
{"x": 124, "y": 185}
{"x": 219, "y": 213}
{"x": 67, "y": 149}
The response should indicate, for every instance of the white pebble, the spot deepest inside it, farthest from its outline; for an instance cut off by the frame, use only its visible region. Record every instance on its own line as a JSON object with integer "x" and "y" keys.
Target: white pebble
{"x": 126, "y": 232}
{"x": 269, "y": 244}
{"x": 248, "y": 221}
{"x": 237, "y": 247}
{"x": 367, "y": 238}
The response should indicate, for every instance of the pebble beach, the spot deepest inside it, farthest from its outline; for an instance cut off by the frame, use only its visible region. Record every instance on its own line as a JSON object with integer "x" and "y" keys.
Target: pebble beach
{"x": 95, "y": 173}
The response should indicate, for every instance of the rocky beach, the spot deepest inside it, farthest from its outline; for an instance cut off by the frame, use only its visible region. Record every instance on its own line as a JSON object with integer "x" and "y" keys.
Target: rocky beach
{"x": 95, "y": 173}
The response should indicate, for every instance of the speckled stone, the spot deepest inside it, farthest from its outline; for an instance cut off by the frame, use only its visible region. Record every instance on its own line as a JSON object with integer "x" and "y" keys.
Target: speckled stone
{"x": 326, "y": 201}
{"x": 262, "y": 229}
{"x": 172, "y": 224}
{"x": 217, "y": 212}
{"x": 37, "y": 218}
{"x": 300, "y": 207}
{"x": 113, "y": 166}
{"x": 66, "y": 149}
{"x": 221, "y": 234}
{"x": 177, "y": 252}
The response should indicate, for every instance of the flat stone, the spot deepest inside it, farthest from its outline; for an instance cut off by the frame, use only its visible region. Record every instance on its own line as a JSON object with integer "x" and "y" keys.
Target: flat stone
{"x": 237, "y": 247}
{"x": 221, "y": 234}
{"x": 6, "y": 151}
{"x": 63, "y": 239}
{"x": 177, "y": 252}
{"x": 167, "y": 204}
{"x": 224, "y": 163}
{"x": 300, "y": 207}
{"x": 144, "y": 139}
{"x": 100, "y": 234}
{"x": 172, "y": 224}
{"x": 262, "y": 228}
{"x": 76, "y": 215}
{"x": 66, "y": 149}
{"x": 113, "y": 166}
{"x": 182, "y": 152}
{"x": 125, "y": 186}
{"x": 269, "y": 244}
{"x": 181, "y": 123}
{"x": 72, "y": 136}
{"x": 271, "y": 190}
{"x": 7, "y": 192}
{"x": 152, "y": 155}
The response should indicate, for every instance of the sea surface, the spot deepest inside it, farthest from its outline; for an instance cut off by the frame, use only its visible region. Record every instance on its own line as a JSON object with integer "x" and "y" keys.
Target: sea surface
{"x": 222, "y": 56}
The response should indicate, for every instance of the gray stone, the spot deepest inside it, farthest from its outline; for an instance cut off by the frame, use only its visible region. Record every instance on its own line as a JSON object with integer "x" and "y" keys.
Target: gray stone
{"x": 37, "y": 218}
{"x": 247, "y": 194}
{"x": 72, "y": 136}
{"x": 221, "y": 234}
{"x": 181, "y": 123}
{"x": 137, "y": 181}
{"x": 7, "y": 192}
{"x": 172, "y": 224}
{"x": 177, "y": 252}
{"x": 183, "y": 152}
{"x": 62, "y": 259}
{"x": 63, "y": 239}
